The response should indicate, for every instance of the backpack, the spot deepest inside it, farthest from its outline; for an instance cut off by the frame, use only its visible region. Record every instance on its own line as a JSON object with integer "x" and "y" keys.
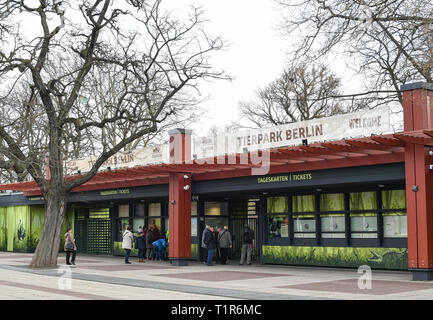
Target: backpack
{"x": 246, "y": 237}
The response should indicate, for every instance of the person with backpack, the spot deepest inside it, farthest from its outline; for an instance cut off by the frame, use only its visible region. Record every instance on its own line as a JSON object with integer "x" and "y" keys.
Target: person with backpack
{"x": 140, "y": 244}
{"x": 225, "y": 242}
{"x": 210, "y": 242}
{"x": 247, "y": 245}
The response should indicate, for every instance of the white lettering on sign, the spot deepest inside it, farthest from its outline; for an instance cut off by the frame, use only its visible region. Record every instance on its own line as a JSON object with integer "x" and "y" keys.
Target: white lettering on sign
{"x": 139, "y": 157}
{"x": 346, "y": 126}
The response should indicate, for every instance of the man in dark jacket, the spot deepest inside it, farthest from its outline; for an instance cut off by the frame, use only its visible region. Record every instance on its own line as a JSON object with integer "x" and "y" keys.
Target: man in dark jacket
{"x": 225, "y": 242}
{"x": 210, "y": 243}
{"x": 149, "y": 241}
{"x": 247, "y": 239}
{"x": 140, "y": 244}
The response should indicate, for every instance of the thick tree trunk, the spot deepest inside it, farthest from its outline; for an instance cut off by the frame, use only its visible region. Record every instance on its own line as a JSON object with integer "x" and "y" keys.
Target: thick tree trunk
{"x": 47, "y": 251}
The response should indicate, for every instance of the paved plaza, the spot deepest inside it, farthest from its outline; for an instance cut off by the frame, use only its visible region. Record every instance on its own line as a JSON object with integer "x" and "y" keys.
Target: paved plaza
{"x": 108, "y": 278}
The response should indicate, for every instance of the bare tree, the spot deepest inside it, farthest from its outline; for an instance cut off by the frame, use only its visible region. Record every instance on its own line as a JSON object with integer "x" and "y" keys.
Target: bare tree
{"x": 158, "y": 59}
{"x": 301, "y": 93}
{"x": 390, "y": 42}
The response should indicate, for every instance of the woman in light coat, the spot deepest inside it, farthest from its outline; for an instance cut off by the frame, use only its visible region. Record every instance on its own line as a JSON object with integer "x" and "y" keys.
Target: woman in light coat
{"x": 128, "y": 240}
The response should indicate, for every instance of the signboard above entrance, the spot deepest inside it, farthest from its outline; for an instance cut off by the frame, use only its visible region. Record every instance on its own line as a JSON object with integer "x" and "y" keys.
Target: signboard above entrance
{"x": 139, "y": 157}
{"x": 351, "y": 125}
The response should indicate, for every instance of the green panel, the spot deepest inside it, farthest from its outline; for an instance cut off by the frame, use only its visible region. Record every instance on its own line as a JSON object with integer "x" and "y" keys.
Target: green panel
{"x": 3, "y": 229}
{"x": 394, "y": 199}
{"x": 379, "y": 258}
{"x": 118, "y": 251}
{"x": 304, "y": 203}
{"x": 363, "y": 201}
{"x": 194, "y": 251}
{"x": 277, "y": 204}
{"x": 332, "y": 202}
{"x": 18, "y": 225}
{"x": 37, "y": 214}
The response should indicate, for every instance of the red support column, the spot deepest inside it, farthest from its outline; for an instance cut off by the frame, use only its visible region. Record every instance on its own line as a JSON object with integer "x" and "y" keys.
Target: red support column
{"x": 418, "y": 115}
{"x": 180, "y": 199}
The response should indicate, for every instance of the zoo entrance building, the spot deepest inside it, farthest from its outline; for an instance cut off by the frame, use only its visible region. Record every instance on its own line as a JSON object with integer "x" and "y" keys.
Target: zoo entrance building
{"x": 348, "y": 202}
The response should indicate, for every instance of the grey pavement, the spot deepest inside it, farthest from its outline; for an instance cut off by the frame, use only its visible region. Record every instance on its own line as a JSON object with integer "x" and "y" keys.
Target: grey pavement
{"x": 107, "y": 277}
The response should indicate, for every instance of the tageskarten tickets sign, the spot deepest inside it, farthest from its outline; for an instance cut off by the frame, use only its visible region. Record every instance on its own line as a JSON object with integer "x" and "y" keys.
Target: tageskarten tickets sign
{"x": 351, "y": 125}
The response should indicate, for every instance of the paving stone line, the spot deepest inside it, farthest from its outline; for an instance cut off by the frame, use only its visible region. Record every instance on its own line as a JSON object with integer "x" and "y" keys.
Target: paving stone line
{"x": 230, "y": 293}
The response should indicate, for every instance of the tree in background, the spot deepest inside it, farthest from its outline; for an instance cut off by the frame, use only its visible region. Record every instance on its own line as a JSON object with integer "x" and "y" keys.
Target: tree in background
{"x": 301, "y": 93}
{"x": 52, "y": 54}
{"x": 389, "y": 42}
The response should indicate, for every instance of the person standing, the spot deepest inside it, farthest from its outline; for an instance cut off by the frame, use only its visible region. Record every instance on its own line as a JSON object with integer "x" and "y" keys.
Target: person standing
{"x": 225, "y": 242}
{"x": 203, "y": 236}
{"x": 217, "y": 252}
{"x": 156, "y": 236}
{"x": 247, "y": 244}
{"x": 128, "y": 240}
{"x": 140, "y": 244}
{"x": 70, "y": 247}
{"x": 149, "y": 241}
{"x": 210, "y": 242}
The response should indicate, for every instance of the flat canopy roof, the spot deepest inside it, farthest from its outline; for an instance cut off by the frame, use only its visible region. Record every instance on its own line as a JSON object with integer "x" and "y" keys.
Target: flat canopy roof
{"x": 380, "y": 149}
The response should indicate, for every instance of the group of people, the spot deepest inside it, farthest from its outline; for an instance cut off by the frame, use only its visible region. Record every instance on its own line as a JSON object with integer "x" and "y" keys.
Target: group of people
{"x": 220, "y": 241}
{"x": 151, "y": 245}
{"x": 148, "y": 241}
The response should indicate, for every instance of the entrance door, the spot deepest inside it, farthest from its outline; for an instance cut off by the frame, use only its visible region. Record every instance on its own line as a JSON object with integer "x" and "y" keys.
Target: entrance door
{"x": 93, "y": 231}
{"x": 238, "y": 227}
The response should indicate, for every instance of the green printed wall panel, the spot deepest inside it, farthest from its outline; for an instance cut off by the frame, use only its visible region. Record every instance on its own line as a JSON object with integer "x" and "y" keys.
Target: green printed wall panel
{"x": 3, "y": 229}
{"x": 194, "y": 251}
{"x": 379, "y": 258}
{"x": 21, "y": 227}
{"x": 18, "y": 225}
{"x": 36, "y": 225}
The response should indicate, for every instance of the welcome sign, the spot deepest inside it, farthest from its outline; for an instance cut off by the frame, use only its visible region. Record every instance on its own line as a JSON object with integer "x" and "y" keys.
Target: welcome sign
{"x": 351, "y": 125}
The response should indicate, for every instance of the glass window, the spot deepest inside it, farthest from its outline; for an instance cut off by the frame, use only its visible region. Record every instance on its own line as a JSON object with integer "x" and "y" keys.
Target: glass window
{"x": 156, "y": 222}
{"x": 278, "y": 227}
{"x": 394, "y": 223}
{"x": 122, "y": 225}
{"x": 155, "y": 209}
{"x": 139, "y": 210}
{"x": 333, "y": 226}
{"x": 363, "y": 201}
{"x": 332, "y": 202}
{"x": 394, "y": 199}
{"x": 217, "y": 221}
{"x": 304, "y": 203}
{"x": 103, "y": 213}
{"x": 215, "y": 208}
{"x": 364, "y": 225}
{"x": 124, "y": 211}
{"x": 193, "y": 208}
{"x": 277, "y": 204}
{"x": 137, "y": 223}
{"x": 193, "y": 226}
{"x": 304, "y": 226}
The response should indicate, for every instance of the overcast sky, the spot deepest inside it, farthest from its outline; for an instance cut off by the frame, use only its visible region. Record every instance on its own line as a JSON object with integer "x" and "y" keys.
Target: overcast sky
{"x": 255, "y": 56}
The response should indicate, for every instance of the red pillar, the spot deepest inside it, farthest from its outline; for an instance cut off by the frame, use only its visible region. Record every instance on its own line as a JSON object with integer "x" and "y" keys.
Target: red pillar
{"x": 180, "y": 199}
{"x": 418, "y": 115}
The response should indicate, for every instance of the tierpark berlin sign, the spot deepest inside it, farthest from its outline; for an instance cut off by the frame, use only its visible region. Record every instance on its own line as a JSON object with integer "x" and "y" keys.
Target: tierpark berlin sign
{"x": 353, "y": 125}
